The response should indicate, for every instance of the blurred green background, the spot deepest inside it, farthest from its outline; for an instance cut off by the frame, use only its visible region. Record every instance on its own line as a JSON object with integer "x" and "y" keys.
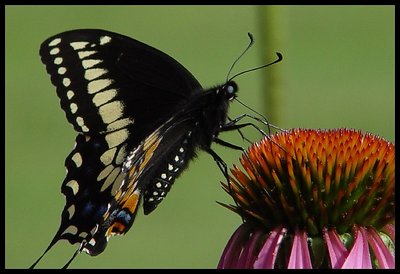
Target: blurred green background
{"x": 338, "y": 71}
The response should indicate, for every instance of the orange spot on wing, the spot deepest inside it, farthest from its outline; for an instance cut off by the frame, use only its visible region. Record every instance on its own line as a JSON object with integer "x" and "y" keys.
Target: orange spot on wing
{"x": 132, "y": 202}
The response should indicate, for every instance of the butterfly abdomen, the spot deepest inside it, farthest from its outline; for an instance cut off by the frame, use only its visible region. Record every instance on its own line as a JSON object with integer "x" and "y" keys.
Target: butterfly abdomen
{"x": 165, "y": 174}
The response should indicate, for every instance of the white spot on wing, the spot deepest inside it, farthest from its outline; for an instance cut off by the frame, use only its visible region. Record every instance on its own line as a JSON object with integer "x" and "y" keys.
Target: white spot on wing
{"x": 55, "y": 42}
{"x": 110, "y": 178}
{"x": 88, "y": 63}
{"x": 77, "y": 158}
{"x": 91, "y": 74}
{"x": 73, "y": 107}
{"x": 103, "y": 97}
{"x": 105, "y": 40}
{"x": 118, "y": 183}
{"x": 97, "y": 85}
{"x": 92, "y": 242}
{"x": 71, "y": 211}
{"x": 107, "y": 170}
{"x": 58, "y": 60}
{"x": 84, "y": 54}
{"x": 71, "y": 230}
{"x": 78, "y": 45}
{"x": 107, "y": 157}
{"x": 73, "y": 185}
{"x": 121, "y": 155}
{"x": 66, "y": 82}
{"x": 70, "y": 94}
{"x": 80, "y": 121}
{"x": 61, "y": 70}
{"x": 54, "y": 51}
{"x": 117, "y": 137}
{"x": 83, "y": 234}
{"x": 111, "y": 111}
{"x": 121, "y": 123}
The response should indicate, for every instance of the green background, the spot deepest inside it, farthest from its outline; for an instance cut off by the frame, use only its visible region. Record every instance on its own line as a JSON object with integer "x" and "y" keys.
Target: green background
{"x": 338, "y": 71}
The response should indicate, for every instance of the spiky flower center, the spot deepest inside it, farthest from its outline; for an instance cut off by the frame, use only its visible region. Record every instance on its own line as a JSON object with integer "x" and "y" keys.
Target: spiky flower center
{"x": 313, "y": 179}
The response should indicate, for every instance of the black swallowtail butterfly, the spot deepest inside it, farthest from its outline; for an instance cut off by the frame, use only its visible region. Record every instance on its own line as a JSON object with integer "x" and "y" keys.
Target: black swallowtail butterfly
{"x": 140, "y": 116}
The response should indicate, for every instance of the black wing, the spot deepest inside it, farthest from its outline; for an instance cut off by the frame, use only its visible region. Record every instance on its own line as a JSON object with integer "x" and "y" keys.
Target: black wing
{"x": 115, "y": 91}
{"x": 150, "y": 170}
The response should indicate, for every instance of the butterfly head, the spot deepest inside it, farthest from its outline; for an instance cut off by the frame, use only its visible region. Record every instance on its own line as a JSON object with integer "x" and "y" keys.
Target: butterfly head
{"x": 229, "y": 90}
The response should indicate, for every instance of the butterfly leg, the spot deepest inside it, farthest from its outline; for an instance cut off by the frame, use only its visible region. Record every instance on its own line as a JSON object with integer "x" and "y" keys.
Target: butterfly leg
{"x": 226, "y": 144}
{"x": 233, "y": 125}
{"x": 223, "y": 167}
{"x": 232, "y": 122}
{"x": 241, "y": 134}
{"x": 220, "y": 163}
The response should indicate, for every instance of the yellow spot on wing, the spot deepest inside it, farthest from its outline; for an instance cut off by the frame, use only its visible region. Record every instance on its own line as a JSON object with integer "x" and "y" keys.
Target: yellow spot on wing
{"x": 74, "y": 186}
{"x": 111, "y": 111}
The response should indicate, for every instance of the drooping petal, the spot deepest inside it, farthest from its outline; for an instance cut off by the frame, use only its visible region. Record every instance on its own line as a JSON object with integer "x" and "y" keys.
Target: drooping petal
{"x": 249, "y": 253}
{"x": 359, "y": 256}
{"x": 234, "y": 247}
{"x": 336, "y": 249}
{"x": 382, "y": 253}
{"x": 300, "y": 255}
{"x": 267, "y": 256}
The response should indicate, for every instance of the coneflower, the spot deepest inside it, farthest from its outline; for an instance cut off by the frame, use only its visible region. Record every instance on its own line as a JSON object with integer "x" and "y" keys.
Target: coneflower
{"x": 314, "y": 199}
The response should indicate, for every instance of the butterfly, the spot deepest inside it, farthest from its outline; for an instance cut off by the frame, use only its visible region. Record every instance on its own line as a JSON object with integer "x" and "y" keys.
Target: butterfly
{"x": 140, "y": 118}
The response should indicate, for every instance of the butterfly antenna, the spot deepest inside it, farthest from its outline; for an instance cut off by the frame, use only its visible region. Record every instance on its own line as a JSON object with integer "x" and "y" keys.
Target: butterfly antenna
{"x": 280, "y": 57}
{"x": 247, "y": 48}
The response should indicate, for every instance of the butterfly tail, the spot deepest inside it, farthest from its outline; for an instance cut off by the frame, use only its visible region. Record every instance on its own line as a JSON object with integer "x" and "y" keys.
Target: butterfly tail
{"x": 52, "y": 243}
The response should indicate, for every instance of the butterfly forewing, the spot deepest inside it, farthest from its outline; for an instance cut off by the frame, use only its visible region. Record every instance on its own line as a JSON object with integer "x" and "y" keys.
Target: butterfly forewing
{"x": 102, "y": 77}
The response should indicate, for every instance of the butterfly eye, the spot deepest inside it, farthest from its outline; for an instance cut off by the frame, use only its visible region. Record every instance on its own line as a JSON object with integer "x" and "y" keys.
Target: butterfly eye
{"x": 230, "y": 89}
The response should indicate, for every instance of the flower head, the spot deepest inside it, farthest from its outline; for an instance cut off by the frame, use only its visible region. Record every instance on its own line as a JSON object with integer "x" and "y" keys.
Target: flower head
{"x": 314, "y": 199}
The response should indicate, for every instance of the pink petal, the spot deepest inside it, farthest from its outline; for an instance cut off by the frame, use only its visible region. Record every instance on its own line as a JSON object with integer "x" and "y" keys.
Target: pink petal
{"x": 359, "y": 256}
{"x": 249, "y": 254}
{"x": 382, "y": 253}
{"x": 300, "y": 255}
{"x": 267, "y": 256}
{"x": 336, "y": 249}
{"x": 234, "y": 247}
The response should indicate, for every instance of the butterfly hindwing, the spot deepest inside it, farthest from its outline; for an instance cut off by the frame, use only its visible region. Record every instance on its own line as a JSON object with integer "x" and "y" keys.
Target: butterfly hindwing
{"x": 150, "y": 170}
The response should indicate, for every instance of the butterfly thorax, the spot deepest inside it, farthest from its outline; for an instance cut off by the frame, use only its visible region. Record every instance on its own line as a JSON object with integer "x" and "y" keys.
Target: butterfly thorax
{"x": 212, "y": 114}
